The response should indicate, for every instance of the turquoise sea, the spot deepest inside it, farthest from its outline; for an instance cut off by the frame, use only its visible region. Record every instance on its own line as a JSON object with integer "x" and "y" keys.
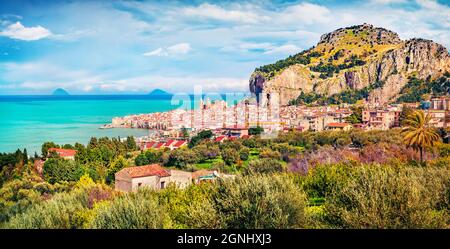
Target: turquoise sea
{"x": 29, "y": 121}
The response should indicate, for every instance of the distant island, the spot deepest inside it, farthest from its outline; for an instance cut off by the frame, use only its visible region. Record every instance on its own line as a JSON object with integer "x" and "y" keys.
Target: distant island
{"x": 60, "y": 92}
{"x": 159, "y": 92}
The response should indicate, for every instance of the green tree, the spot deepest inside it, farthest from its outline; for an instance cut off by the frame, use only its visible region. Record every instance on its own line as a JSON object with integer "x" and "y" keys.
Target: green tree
{"x": 255, "y": 130}
{"x": 244, "y": 154}
{"x": 181, "y": 158}
{"x": 46, "y": 146}
{"x": 131, "y": 144}
{"x": 230, "y": 156}
{"x": 356, "y": 116}
{"x": 406, "y": 111}
{"x": 418, "y": 132}
{"x": 119, "y": 163}
{"x": 59, "y": 169}
{"x": 202, "y": 135}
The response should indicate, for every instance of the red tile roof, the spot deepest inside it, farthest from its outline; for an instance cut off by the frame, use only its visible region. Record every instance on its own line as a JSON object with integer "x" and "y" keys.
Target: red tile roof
{"x": 337, "y": 124}
{"x": 169, "y": 142}
{"x": 63, "y": 152}
{"x": 147, "y": 170}
{"x": 158, "y": 145}
{"x": 148, "y": 145}
{"x": 220, "y": 138}
{"x": 179, "y": 143}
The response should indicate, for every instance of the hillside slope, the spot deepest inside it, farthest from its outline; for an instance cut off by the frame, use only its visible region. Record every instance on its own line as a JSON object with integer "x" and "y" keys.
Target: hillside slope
{"x": 355, "y": 58}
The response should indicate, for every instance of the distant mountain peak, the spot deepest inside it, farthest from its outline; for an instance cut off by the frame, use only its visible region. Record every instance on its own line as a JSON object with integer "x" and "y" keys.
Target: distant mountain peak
{"x": 60, "y": 92}
{"x": 159, "y": 92}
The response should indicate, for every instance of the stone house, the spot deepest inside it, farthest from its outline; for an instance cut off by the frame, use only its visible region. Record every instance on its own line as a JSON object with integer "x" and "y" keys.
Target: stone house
{"x": 153, "y": 176}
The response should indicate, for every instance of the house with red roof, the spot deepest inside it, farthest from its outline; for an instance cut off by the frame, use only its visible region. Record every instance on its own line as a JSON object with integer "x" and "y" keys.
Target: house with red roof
{"x": 153, "y": 176}
{"x": 64, "y": 153}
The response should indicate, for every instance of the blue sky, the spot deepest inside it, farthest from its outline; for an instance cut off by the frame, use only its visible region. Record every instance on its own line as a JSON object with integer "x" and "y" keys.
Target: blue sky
{"x": 92, "y": 47}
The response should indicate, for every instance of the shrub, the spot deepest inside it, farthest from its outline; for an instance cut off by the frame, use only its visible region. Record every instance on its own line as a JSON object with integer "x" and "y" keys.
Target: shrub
{"x": 259, "y": 201}
{"x": 139, "y": 210}
{"x": 191, "y": 207}
{"x": 323, "y": 179}
{"x": 230, "y": 156}
{"x": 269, "y": 153}
{"x": 264, "y": 166}
{"x": 60, "y": 211}
{"x": 244, "y": 153}
{"x": 387, "y": 197}
{"x": 181, "y": 158}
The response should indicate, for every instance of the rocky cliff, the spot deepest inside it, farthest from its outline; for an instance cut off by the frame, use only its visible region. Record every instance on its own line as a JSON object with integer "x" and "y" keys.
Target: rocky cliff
{"x": 350, "y": 59}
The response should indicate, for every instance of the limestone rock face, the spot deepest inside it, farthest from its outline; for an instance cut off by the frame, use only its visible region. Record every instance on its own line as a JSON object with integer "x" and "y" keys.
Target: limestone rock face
{"x": 387, "y": 59}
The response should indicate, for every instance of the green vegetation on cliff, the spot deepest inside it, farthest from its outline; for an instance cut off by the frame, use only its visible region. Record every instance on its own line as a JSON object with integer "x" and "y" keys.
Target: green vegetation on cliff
{"x": 416, "y": 90}
{"x": 350, "y": 96}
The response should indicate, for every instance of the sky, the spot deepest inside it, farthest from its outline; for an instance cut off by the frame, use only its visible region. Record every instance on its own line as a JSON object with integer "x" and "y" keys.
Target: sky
{"x": 133, "y": 47}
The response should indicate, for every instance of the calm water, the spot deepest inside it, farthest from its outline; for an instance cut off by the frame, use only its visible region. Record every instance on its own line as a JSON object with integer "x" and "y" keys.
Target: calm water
{"x": 29, "y": 121}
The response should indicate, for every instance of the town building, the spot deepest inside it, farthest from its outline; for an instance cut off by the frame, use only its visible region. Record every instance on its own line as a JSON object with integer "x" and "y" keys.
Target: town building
{"x": 440, "y": 103}
{"x": 381, "y": 119}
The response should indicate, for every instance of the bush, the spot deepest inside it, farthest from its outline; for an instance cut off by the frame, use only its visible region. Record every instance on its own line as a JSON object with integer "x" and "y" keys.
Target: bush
{"x": 323, "y": 179}
{"x": 264, "y": 166}
{"x": 181, "y": 158}
{"x": 244, "y": 153}
{"x": 148, "y": 157}
{"x": 258, "y": 201}
{"x": 139, "y": 210}
{"x": 191, "y": 207}
{"x": 386, "y": 197}
{"x": 230, "y": 156}
{"x": 269, "y": 153}
{"x": 62, "y": 210}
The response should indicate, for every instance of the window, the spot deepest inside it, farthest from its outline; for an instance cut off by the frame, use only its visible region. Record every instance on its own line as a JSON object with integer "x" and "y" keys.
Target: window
{"x": 162, "y": 185}
{"x": 139, "y": 184}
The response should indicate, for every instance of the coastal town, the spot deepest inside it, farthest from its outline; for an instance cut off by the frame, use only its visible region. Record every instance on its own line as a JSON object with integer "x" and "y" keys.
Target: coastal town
{"x": 172, "y": 129}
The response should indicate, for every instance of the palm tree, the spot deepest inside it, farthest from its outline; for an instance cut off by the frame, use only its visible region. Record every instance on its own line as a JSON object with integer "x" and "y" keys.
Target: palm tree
{"x": 418, "y": 133}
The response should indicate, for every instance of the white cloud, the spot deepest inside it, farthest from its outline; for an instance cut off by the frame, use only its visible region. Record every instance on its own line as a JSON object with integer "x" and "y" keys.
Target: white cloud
{"x": 264, "y": 47}
{"x": 177, "y": 49}
{"x": 284, "y": 49}
{"x": 306, "y": 13}
{"x": 20, "y": 32}
{"x": 214, "y": 12}
{"x": 387, "y": 1}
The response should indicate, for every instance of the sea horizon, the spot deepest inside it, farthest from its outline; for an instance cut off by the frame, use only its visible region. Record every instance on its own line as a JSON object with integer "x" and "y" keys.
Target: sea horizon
{"x": 30, "y": 120}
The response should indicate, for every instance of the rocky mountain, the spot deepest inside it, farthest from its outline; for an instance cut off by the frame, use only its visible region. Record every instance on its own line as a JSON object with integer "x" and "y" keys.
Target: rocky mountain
{"x": 362, "y": 61}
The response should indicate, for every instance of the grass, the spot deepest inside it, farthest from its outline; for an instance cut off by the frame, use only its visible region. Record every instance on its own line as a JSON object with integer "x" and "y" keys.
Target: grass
{"x": 208, "y": 163}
